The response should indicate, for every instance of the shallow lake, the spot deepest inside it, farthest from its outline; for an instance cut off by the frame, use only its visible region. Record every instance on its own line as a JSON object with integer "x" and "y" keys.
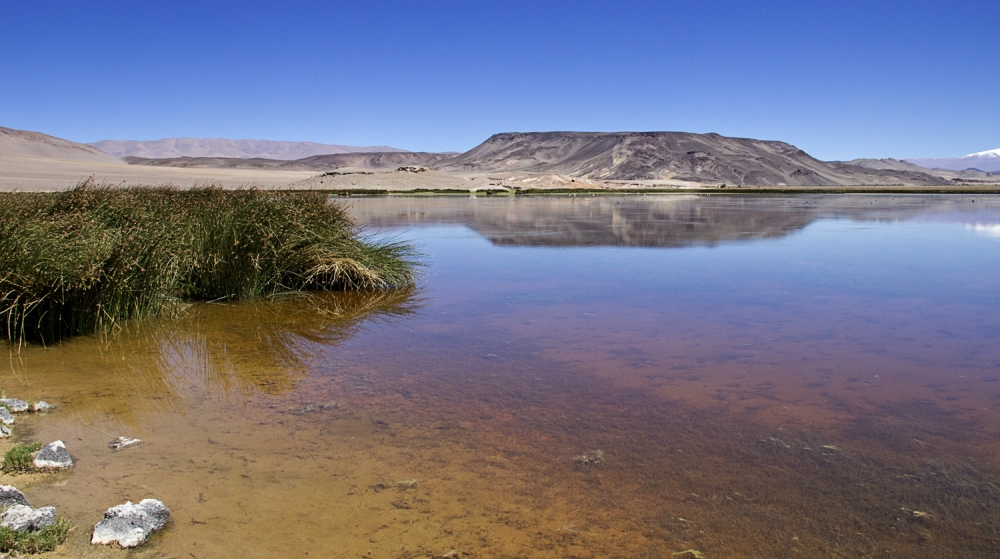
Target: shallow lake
{"x": 743, "y": 376}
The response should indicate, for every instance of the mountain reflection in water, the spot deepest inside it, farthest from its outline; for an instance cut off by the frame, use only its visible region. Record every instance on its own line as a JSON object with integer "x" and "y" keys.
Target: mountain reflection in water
{"x": 653, "y": 221}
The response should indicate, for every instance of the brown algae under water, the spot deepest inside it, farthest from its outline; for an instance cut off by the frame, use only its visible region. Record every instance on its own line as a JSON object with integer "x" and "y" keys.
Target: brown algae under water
{"x": 620, "y": 377}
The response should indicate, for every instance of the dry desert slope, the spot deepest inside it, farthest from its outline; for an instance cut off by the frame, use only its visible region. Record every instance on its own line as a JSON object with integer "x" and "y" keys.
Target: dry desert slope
{"x": 22, "y": 144}
{"x": 35, "y": 161}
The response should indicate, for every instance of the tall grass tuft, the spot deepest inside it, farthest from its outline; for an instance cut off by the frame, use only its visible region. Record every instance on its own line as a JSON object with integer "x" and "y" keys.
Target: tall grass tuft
{"x": 89, "y": 258}
{"x": 20, "y": 459}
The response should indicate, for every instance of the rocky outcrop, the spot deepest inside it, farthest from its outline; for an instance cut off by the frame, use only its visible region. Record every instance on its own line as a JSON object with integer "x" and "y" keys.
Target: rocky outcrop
{"x": 129, "y": 525}
{"x": 23, "y": 517}
{"x": 53, "y": 456}
{"x": 5, "y": 417}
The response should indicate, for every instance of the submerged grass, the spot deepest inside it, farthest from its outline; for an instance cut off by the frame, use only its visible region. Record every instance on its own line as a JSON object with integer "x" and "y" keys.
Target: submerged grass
{"x": 89, "y": 258}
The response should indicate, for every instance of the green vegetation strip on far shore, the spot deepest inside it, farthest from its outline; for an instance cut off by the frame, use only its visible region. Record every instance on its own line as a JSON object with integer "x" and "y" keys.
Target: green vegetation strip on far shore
{"x": 79, "y": 261}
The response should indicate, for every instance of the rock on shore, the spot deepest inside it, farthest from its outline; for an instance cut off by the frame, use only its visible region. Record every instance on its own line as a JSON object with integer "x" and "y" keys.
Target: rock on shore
{"x": 10, "y": 496}
{"x": 53, "y": 456}
{"x": 129, "y": 525}
{"x": 41, "y": 407}
{"x": 14, "y": 404}
{"x": 23, "y": 517}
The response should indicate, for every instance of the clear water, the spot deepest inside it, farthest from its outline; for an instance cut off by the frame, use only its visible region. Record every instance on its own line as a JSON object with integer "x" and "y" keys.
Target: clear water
{"x": 810, "y": 376}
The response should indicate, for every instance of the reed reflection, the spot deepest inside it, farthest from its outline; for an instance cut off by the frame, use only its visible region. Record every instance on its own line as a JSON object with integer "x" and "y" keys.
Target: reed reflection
{"x": 220, "y": 351}
{"x": 266, "y": 346}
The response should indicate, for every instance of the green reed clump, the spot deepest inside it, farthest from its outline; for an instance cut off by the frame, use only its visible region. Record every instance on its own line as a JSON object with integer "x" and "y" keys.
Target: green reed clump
{"x": 34, "y": 541}
{"x": 19, "y": 459}
{"x": 78, "y": 261}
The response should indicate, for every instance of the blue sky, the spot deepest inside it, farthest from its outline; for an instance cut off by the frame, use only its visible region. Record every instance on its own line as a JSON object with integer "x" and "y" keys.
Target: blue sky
{"x": 839, "y": 79}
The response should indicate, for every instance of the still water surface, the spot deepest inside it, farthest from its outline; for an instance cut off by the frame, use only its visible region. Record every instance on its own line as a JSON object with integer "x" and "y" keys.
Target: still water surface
{"x": 811, "y": 376}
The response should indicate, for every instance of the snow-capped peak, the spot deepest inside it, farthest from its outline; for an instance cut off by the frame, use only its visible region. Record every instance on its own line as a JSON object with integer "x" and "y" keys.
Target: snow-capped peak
{"x": 987, "y": 153}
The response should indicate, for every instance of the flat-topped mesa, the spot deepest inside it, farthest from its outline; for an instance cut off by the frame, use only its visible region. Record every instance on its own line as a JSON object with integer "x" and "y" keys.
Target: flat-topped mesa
{"x": 683, "y": 156}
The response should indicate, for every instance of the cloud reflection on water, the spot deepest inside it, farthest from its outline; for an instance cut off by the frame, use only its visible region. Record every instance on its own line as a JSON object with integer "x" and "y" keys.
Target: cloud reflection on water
{"x": 985, "y": 229}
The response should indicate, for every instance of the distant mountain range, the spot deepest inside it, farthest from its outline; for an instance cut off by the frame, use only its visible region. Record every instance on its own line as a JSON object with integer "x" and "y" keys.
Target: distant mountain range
{"x": 984, "y": 161}
{"x": 370, "y": 160}
{"x": 622, "y": 156}
{"x": 588, "y": 158}
{"x": 222, "y": 147}
{"x": 964, "y": 175}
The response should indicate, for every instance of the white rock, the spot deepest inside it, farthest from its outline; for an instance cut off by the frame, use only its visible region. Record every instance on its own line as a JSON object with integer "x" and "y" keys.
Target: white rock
{"x": 129, "y": 525}
{"x": 5, "y": 417}
{"x": 5, "y": 432}
{"x": 14, "y": 404}
{"x": 9, "y": 495}
{"x": 42, "y": 406}
{"x": 53, "y": 456}
{"x": 21, "y": 517}
{"x": 122, "y": 442}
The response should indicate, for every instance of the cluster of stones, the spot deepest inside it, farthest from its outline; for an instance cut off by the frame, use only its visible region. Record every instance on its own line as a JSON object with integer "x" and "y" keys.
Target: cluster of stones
{"x": 127, "y": 524}
{"x": 19, "y": 514}
{"x": 8, "y": 405}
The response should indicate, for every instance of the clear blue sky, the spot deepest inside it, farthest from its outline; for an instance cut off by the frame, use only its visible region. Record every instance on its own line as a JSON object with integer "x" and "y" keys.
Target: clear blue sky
{"x": 839, "y": 79}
